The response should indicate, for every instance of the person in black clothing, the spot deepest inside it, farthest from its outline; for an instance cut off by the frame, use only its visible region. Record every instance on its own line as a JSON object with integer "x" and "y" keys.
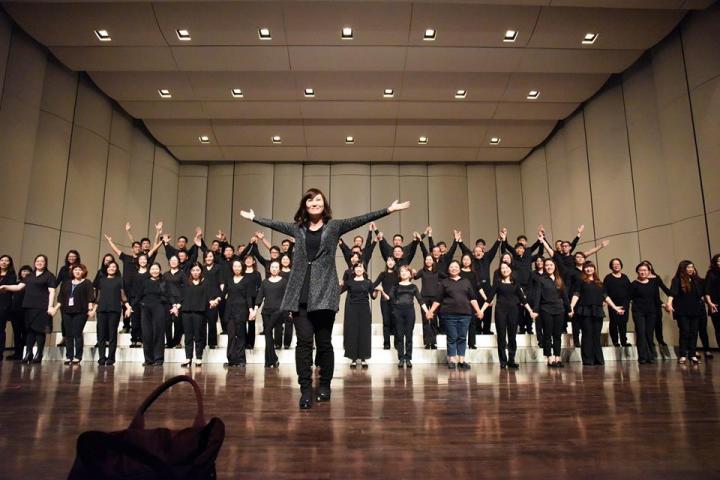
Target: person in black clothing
{"x": 313, "y": 287}
{"x": 198, "y": 296}
{"x": 430, "y": 292}
{"x": 7, "y": 277}
{"x": 357, "y": 325}
{"x": 388, "y": 278}
{"x": 72, "y": 259}
{"x": 538, "y": 270}
{"x": 403, "y": 296}
{"x": 357, "y": 247}
{"x": 255, "y": 279}
{"x": 458, "y": 303}
{"x": 239, "y": 302}
{"x": 656, "y": 279}
{"x": 408, "y": 251}
{"x": 271, "y": 293}
{"x": 617, "y": 286}
{"x": 214, "y": 281}
{"x": 523, "y": 259}
{"x": 175, "y": 280}
{"x": 508, "y": 294}
{"x": 712, "y": 297}
{"x": 111, "y": 297}
{"x": 551, "y": 302}
{"x": 17, "y": 317}
{"x": 133, "y": 291}
{"x": 686, "y": 301}
{"x": 255, "y": 251}
{"x": 284, "y": 329}
{"x": 146, "y": 246}
{"x": 102, "y": 272}
{"x": 467, "y": 272}
{"x": 481, "y": 261}
{"x": 157, "y": 303}
{"x": 37, "y": 306}
{"x": 587, "y": 303}
{"x": 76, "y": 301}
{"x": 644, "y": 295}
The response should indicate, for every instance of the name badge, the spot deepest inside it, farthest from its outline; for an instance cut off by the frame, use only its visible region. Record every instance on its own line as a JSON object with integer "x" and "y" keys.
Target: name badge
{"x": 71, "y": 302}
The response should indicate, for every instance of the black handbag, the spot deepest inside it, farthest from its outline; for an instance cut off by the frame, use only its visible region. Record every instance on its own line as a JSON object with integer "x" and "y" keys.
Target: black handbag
{"x": 159, "y": 453}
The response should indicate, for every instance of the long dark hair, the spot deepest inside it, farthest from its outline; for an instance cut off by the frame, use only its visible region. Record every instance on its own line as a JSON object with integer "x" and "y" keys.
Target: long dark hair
{"x": 685, "y": 279}
{"x": 714, "y": 264}
{"x": 302, "y": 217}
{"x": 11, "y": 264}
{"x": 77, "y": 254}
{"x": 595, "y": 278}
{"x": 44, "y": 257}
{"x": 188, "y": 278}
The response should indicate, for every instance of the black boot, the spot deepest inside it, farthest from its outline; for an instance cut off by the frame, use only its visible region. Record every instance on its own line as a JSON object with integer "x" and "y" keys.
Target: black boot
{"x": 306, "y": 400}
{"x": 323, "y": 394}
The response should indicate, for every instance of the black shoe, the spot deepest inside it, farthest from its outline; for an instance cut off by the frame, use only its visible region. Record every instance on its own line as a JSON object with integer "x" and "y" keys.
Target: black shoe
{"x": 427, "y": 347}
{"x": 68, "y": 362}
{"x": 228, "y": 364}
{"x": 463, "y": 366}
{"x": 401, "y": 363}
{"x": 386, "y": 347}
{"x": 306, "y": 400}
{"x": 363, "y": 364}
{"x": 560, "y": 365}
{"x": 513, "y": 365}
{"x": 452, "y": 365}
{"x": 642, "y": 362}
{"x": 147, "y": 364}
{"x": 503, "y": 366}
{"x": 530, "y": 331}
{"x": 617, "y": 345}
{"x": 663, "y": 344}
{"x": 323, "y": 395}
{"x": 110, "y": 363}
{"x": 213, "y": 347}
{"x": 276, "y": 365}
{"x": 188, "y": 364}
{"x": 158, "y": 364}
{"x": 433, "y": 347}
{"x": 287, "y": 347}
{"x": 353, "y": 364}
{"x": 408, "y": 364}
{"x": 37, "y": 359}
{"x": 587, "y": 364}
{"x": 472, "y": 347}
{"x": 101, "y": 362}
{"x": 62, "y": 343}
{"x": 278, "y": 347}
{"x": 627, "y": 344}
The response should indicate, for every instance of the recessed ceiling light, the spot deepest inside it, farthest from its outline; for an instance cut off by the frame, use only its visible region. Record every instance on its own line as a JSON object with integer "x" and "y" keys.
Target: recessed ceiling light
{"x": 461, "y": 94}
{"x": 164, "y": 93}
{"x": 347, "y": 33}
{"x": 388, "y": 93}
{"x": 423, "y": 140}
{"x": 236, "y": 92}
{"x": 309, "y": 92}
{"x": 510, "y": 35}
{"x": 495, "y": 140}
{"x": 264, "y": 33}
{"x": 430, "y": 34}
{"x": 533, "y": 94}
{"x": 589, "y": 38}
{"x": 103, "y": 35}
{"x": 276, "y": 139}
{"x": 183, "y": 34}
{"x": 204, "y": 139}
{"x": 349, "y": 139}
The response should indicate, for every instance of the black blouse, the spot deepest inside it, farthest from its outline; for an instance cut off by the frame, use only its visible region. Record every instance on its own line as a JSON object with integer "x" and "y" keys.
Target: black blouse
{"x": 272, "y": 294}
{"x": 155, "y": 292}
{"x": 196, "y": 298}
{"x": 509, "y": 295}
{"x": 590, "y": 299}
{"x": 405, "y": 294}
{"x": 430, "y": 288}
{"x": 548, "y": 298}
{"x": 36, "y": 290}
{"x": 110, "y": 294}
{"x": 688, "y": 303}
{"x": 81, "y": 295}
{"x": 456, "y": 297}
{"x": 6, "y": 297}
{"x": 644, "y": 297}
{"x": 240, "y": 293}
{"x": 357, "y": 291}
{"x": 618, "y": 288}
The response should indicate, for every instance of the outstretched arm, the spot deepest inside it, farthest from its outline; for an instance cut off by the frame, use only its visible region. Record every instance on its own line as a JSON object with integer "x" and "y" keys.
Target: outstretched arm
{"x": 113, "y": 247}
{"x": 597, "y": 248}
{"x": 352, "y": 223}
{"x": 283, "y": 227}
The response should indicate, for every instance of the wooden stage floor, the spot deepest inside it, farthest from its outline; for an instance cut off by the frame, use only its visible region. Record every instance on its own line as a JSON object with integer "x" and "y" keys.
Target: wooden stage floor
{"x": 622, "y": 420}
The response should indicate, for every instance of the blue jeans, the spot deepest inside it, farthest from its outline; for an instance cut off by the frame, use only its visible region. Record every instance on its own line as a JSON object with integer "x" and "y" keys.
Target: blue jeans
{"x": 457, "y": 328}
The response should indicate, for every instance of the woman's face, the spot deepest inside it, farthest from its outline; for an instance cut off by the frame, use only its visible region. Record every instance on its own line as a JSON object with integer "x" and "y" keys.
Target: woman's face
{"x": 549, "y": 267}
{"x": 77, "y": 273}
{"x": 454, "y": 269}
{"x": 237, "y": 268}
{"x": 506, "y": 258}
{"x": 174, "y": 262}
{"x": 615, "y": 266}
{"x": 155, "y": 271}
{"x": 24, "y": 274}
{"x": 355, "y": 259}
{"x": 195, "y": 273}
{"x": 466, "y": 261}
{"x": 429, "y": 261}
{"x": 274, "y": 269}
{"x": 643, "y": 272}
{"x": 112, "y": 269}
{"x": 690, "y": 269}
{"x": 505, "y": 270}
{"x": 405, "y": 274}
{"x": 72, "y": 258}
{"x": 107, "y": 259}
{"x": 390, "y": 262}
{"x": 315, "y": 206}
{"x": 39, "y": 263}
{"x": 209, "y": 258}
{"x": 539, "y": 263}
{"x": 249, "y": 261}
{"x": 589, "y": 270}
{"x": 359, "y": 270}
{"x": 143, "y": 261}
{"x": 398, "y": 252}
{"x": 4, "y": 263}
{"x": 228, "y": 252}
{"x": 285, "y": 261}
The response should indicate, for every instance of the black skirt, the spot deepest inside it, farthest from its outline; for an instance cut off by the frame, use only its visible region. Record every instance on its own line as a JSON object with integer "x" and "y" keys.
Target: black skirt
{"x": 596, "y": 311}
{"x": 357, "y": 331}
{"x": 38, "y": 320}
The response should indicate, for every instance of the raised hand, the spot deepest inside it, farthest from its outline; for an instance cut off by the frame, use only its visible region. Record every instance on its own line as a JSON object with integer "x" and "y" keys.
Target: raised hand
{"x": 198, "y": 232}
{"x": 127, "y": 226}
{"x": 260, "y": 235}
{"x": 107, "y": 237}
{"x": 250, "y": 215}
{"x": 372, "y": 227}
{"x": 416, "y": 236}
{"x": 396, "y": 206}
{"x": 503, "y": 234}
{"x": 158, "y": 226}
{"x": 605, "y": 243}
{"x": 457, "y": 234}
{"x": 581, "y": 229}
{"x": 428, "y": 230}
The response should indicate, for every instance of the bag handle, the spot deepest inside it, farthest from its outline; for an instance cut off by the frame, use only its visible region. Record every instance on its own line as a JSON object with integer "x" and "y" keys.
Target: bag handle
{"x": 138, "y": 421}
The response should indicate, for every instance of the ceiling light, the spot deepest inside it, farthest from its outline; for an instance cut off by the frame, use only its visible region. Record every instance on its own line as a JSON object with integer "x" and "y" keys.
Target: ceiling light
{"x": 349, "y": 140}
{"x": 347, "y": 33}
{"x": 204, "y": 139}
{"x": 164, "y": 93}
{"x": 461, "y": 94}
{"x": 510, "y": 35}
{"x": 533, "y": 94}
{"x": 589, "y": 38}
{"x": 430, "y": 34}
{"x": 236, "y": 92}
{"x": 264, "y": 33}
{"x": 495, "y": 140}
{"x": 309, "y": 92}
{"x": 103, "y": 35}
{"x": 276, "y": 139}
{"x": 423, "y": 140}
{"x": 183, "y": 34}
{"x": 388, "y": 93}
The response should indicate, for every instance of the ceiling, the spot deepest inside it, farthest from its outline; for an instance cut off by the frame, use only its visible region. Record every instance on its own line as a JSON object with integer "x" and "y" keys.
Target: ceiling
{"x": 349, "y": 76}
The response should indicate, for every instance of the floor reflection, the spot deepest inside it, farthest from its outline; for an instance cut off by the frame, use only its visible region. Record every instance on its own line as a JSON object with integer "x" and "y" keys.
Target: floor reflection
{"x": 621, "y": 419}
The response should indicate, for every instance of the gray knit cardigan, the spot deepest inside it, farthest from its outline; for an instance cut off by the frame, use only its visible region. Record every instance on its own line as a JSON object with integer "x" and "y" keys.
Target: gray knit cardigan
{"x": 324, "y": 291}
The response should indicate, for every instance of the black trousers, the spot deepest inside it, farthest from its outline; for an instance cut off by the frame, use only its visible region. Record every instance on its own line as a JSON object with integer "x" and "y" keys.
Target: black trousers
{"x": 659, "y": 326}
{"x": 194, "y": 328}
{"x": 485, "y": 324}
{"x": 539, "y": 331}
{"x": 315, "y": 325}
{"x": 404, "y": 325}
{"x": 136, "y": 322}
{"x": 173, "y": 330}
{"x": 715, "y": 317}
{"x": 223, "y": 317}
{"x": 506, "y": 324}
{"x": 703, "y": 333}
{"x": 32, "y": 338}
{"x": 525, "y": 321}
{"x": 107, "y": 331}
{"x": 472, "y": 331}
{"x": 386, "y": 309}
{"x": 74, "y": 324}
{"x": 35, "y": 331}
{"x": 237, "y": 317}
{"x": 19, "y": 332}
{"x": 250, "y": 335}
{"x": 211, "y": 318}
{"x": 644, "y": 326}
{"x": 430, "y": 327}
{"x": 283, "y": 331}
{"x": 4, "y": 318}
{"x": 154, "y": 323}
{"x": 576, "y": 323}
{"x": 553, "y": 328}
{"x": 271, "y": 318}
{"x": 618, "y": 326}
{"x": 591, "y": 350}
{"x": 688, "y": 334}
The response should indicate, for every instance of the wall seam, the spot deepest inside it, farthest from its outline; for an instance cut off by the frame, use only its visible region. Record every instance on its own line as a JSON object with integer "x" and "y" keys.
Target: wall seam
{"x": 107, "y": 167}
{"x": 7, "y": 62}
{"x": 587, "y": 159}
{"x": 632, "y": 170}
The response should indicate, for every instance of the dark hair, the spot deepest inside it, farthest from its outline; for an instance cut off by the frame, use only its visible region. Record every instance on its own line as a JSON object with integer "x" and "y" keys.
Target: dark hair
{"x": 188, "y": 278}
{"x": 82, "y": 267}
{"x": 559, "y": 284}
{"x": 517, "y": 245}
{"x": 145, "y": 239}
{"x": 441, "y": 243}
{"x": 454, "y": 261}
{"x": 433, "y": 267}
{"x": 276, "y": 248}
{"x": 210, "y": 252}
{"x": 44, "y": 257}
{"x": 714, "y": 264}
{"x": 685, "y": 279}
{"x": 586, "y": 279}
{"x": 183, "y": 237}
{"x": 649, "y": 264}
{"x": 289, "y": 259}
{"x": 358, "y": 236}
{"x": 77, "y": 254}
{"x": 611, "y": 262}
{"x": 388, "y": 269}
{"x": 286, "y": 240}
{"x": 402, "y": 239}
{"x": 242, "y": 264}
{"x": 230, "y": 247}
{"x": 642, "y": 264}
{"x": 521, "y": 237}
{"x": 24, "y": 268}
{"x": 480, "y": 240}
{"x": 512, "y": 280}
{"x": 215, "y": 241}
{"x": 146, "y": 258}
{"x": 302, "y": 217}
{"x": 11, "y": 266}
{"x": 274, "y": 261}
{"x": 117, "y": 268}
{"x": 135, "y": 243}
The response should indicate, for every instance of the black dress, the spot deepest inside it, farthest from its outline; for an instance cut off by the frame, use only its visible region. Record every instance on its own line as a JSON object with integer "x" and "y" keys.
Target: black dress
{"x": 35, "y": 302}
{"x": 357, "y": 331}
{"x": 590, "y": 313}
{"x": 239, "y": 301}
